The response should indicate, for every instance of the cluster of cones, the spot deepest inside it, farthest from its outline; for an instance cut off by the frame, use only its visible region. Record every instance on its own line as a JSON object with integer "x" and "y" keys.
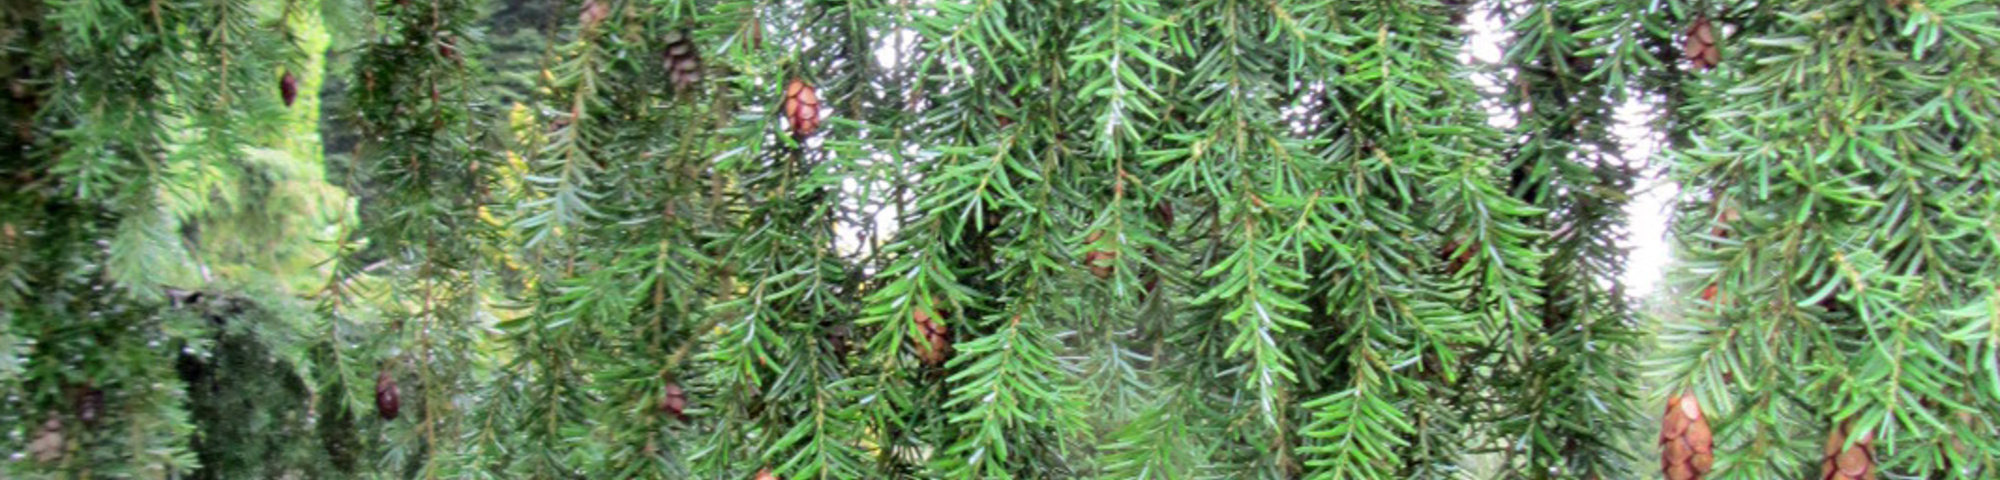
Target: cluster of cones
{"x": 1687, "y": 443}
{"x": 1855, "y": 462}
{"x": 1687, "y": 446}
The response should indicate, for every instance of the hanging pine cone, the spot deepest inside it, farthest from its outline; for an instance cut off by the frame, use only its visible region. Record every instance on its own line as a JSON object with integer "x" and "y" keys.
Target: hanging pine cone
{"x": 90, "y": 406}
{"x": 1457, "y": 259}
{"x": 683, "y": 60}
{"x": 765, "y": 474}
{"x": 288, "y": 88}
{"x": 1699, "y": 47}
{"x": 1723, "y": 219}
{"x": 1101, "y": 262}
{"x": 1853, "y": 463}
{"x": 1687, "y": 446}
{"x": 447, "y": 47}
{"x": 674, "y": 401}
{"x": 593, "y": 13}
{"x": 801, "y": 108}
{"x": 388, "y": 400}
{"x": 840, "y": 337}
{"x": 936, "y": 345}
{"x": 47, "y": 444}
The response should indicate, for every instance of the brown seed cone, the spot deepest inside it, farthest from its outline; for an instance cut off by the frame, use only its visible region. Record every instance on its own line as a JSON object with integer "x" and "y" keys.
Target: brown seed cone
{"x": 1687, "y": 446}
{"x": 447, "y": 47}
{"x": 593, "y": 13}
{"x": 89, "y": 406}
{"x": 801, "y": 108}
{"x": 1101, "y": 262}
{"x": 46, "y": 446}
{"x": 1853, "y": 463}
{"x": 288, "y": 88}
{"x": 388, "y": 399}
{"x": 1723, "y": 219}
{"x": 1699, "y": 47}
{"x": 936, "y": 346}
{"x": 765, "y": 474}
{"x": 840, "y": 338}
{"x": 674, "y": 401}
{"x": 1458, "y": 259}
{"x": 8, "y": 239}
{"x": 683, "y": 60}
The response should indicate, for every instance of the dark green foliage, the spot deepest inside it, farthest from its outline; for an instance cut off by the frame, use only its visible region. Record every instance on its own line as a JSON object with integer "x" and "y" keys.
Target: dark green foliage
{"x": 250, "y": 406}
{"x": 133, "y": 127}
{"x": 1570, "y": 400}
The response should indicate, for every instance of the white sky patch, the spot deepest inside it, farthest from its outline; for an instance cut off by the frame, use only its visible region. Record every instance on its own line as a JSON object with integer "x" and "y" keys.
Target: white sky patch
{"x": 1647, "y": 212}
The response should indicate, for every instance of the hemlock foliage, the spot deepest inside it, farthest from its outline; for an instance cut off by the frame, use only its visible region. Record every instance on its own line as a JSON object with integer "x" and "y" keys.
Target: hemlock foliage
{"x": 1135, "y": 239}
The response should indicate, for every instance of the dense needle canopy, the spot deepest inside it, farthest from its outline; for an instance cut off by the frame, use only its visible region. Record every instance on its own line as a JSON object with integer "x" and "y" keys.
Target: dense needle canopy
{"x": 1121, "y": 239}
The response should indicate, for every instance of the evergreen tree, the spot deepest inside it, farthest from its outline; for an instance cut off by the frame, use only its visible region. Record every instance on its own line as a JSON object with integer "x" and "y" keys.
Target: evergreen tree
{"x": 992, "y": 239}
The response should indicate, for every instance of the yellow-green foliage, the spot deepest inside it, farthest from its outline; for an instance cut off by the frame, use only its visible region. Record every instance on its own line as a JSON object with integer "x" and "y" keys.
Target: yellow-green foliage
{"x": 277, "y": 229}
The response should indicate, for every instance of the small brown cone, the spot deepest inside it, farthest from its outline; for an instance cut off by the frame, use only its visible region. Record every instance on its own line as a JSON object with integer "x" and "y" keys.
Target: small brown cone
{"x": 1458, "y": 259}
{"x": 1687, "y": 446}
{"x": 840, "y": 337}
{"x": 674, "y": 401}
{"x": 448, "y": 47}
{"x": 90, "y": 406}
{"x": 683, "y": 60}
{"x": 388, "y": 399}
{"x": 801, "y": 108}
{"x": 1853, "y": 463}
{"x": 1100, "y": 261}
{"x": 593, "y": 13}
{"x": 936, "y": 346}
{"x": 47, "y": 444}
{"x": 1699, "y": 47}
{"x": 288, "y": 88}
